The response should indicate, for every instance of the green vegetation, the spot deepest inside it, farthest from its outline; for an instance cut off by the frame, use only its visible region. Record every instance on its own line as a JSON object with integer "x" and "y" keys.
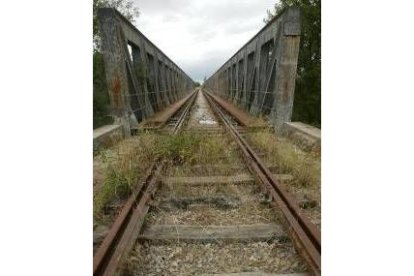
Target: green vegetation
{"x": 196, "y": 148}
{"x": 117, "y": 185}
{"x": 180, "y": 148}
{"x": 142, "y": 72}
{"x": 126, "y": 7}
{"x": 307, "y": 105}
{"x": 125, "y": 163}
{"x": 100, "y": 93}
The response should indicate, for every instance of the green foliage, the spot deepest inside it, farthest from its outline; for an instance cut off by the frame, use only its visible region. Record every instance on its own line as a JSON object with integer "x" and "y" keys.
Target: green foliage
{"x": 124, "y": 163}
{"x": 125, "y": 7}
{"x": 198, "y": 148}
{"x": 100, "y": 93}
{"x": 180, "y": 148}
{"x": 307, "y": 104}
{"x": 142, "y": 72}
{"x": 127, "y": 161}
{"x": 116, "y": 185}
{"x": 197, "y": 84}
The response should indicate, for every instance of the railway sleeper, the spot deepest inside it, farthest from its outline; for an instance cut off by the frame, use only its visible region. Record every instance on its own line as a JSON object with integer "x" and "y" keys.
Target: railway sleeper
{"x": 214, "y": 233}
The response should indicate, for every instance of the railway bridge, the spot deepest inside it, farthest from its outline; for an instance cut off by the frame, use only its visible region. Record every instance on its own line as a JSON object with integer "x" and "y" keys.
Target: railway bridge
{"x": 253, "y": 91}
{"x": 259, "y": 78}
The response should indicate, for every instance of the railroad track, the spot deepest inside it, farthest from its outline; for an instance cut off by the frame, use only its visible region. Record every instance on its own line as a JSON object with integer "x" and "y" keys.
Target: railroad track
{"x": 225, "y": 210}
{"x": 123, "y": 231}
{"x": 306, "y": 236}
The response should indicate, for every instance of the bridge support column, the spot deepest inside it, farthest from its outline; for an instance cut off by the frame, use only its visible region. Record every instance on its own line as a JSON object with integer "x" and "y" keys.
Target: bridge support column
{"x": 287, "y": 52}
{"x": 115, "y": 69}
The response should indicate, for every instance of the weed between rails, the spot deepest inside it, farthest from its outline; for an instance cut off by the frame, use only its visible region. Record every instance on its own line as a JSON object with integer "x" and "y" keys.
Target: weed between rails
{"x": 126, "y": 162}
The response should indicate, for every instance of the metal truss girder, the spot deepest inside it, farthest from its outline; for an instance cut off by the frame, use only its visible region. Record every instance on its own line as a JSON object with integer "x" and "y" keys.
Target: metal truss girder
{"x": 268, "y": 64}
{"x": 141, "y": 79}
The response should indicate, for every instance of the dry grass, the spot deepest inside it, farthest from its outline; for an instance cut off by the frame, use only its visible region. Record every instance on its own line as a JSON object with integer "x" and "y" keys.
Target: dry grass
{"x": 225, "y": 204}
{"x": 187, "y": 149}
{"x": 304, "y": 166}
{"x": 211, "y": 215}
{"x": 201, "y": 152}
{"x": 127, "y": 161}
{"x": 222, "y": 257}
{"x": 124, "y": 164}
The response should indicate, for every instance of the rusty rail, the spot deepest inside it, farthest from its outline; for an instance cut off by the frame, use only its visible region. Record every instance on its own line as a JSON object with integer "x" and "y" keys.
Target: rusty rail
{"x": 304, "y": 234}
{"x": 180, "y": 121}
{"x": 127, "y": 225}
{"x": 108, "y": 254}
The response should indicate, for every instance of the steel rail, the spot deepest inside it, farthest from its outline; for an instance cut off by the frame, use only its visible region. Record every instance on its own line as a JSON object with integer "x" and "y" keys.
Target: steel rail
{"x": 187, "y": 109}
{"x": 128, "y": 223}
{"x": 305, "y": 235}
{"x": 106, "y": 252}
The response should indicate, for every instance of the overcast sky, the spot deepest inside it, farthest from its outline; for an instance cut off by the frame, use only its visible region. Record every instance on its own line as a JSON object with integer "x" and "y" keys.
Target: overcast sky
{"x": 200, "y": 35}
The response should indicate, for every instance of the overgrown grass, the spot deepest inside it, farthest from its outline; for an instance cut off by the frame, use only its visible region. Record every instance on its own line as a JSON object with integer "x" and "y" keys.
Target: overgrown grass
{"x": 304, "y": 166}
{"x": 197, "y": 148}
{"x": 181, "y": 148}
{"x": 125, "y": 164}
{"x": 127, "y": 161}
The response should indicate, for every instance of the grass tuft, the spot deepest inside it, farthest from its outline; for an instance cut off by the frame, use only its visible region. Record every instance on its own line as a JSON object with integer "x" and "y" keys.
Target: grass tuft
{"x": 125, "y": 164}
{"x": 180, "y": 149}
{"x": 289, "y": 159}
{"x": 197, "y": 148}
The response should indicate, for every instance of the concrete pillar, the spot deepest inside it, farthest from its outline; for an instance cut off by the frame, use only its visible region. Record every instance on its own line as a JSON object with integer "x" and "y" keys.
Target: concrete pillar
{"x": 286, "y": 65}
{"x": 112, "y": 48}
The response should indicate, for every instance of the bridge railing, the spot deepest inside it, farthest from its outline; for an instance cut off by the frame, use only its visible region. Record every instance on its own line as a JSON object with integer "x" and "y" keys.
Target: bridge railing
{"x": 141, "y": 78}
{"x": 260, "y": 77}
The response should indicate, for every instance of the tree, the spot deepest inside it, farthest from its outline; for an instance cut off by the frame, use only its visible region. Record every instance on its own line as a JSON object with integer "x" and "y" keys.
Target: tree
{"x": 100, "y": 90}
{"x": 125, "y": 7}
{"x": 100, "y": 93}
{"x": 307, "y": 104}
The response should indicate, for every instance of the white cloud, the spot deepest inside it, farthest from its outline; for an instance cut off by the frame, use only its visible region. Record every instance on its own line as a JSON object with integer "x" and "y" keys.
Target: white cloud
{"x": 200, "y": 35}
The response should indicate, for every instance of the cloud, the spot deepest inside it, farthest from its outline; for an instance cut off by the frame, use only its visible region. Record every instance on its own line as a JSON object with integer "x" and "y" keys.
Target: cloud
{"x": 170, "y": 18}
{"x": 200, "y": 35}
